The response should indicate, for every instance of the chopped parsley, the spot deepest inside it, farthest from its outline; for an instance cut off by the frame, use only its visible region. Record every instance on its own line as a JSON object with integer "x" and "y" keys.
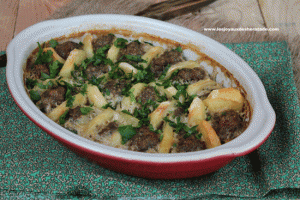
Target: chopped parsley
{"x": 34, "y": 95}
{"x": 62, "y": 119}
{"x": 48, "y": 85}
{"x": 85, "y": 110}
{"x": 30, "y": 83}
{"x": 108, "y": 105}
{"x": 120, "y": 42}
{"x": 179, "y": 126}
{"x": 53, "y": 43}
{"x": 43, "y": 57}
{"x": 179, "y": 49}
{"x": 127, "y": 132}
{"x": 54, "y": 69}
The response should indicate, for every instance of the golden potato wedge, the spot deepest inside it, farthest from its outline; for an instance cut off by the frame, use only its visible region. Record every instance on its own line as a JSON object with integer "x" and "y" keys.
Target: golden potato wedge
{"x": 196, "y": 112}
{"x": 156, "y": 117}
{"x": 95, "y": 96}
{"x": 76, "y": 57}
{"x": 152, "y": 53}
{"x": 127, "y": 103}
{"x": 209, "y": 135}
{"x": 100, "y": 120}
{"x": 88, "y": 46}
{"x": 59, "y": 110}
{"x": 185, "y": 64}
{"x": 201, "y": 85}
{"x": 113, "y": 53}
{"x": 224, "y": 99}
{"x": 128, "y": 68}
{"x": 168, "y": 139}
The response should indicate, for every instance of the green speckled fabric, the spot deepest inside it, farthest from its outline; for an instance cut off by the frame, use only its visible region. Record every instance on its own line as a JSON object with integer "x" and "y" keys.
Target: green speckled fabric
{"x": 34, "y": 165}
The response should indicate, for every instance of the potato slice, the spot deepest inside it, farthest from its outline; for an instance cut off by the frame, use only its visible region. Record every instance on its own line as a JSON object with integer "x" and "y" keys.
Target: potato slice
{"x": 116, "y": 139}
{"x": 196, "y": 112}
{"x": 59, "y": 110}
{"x": 88, "y": 46}
{"x": 170, "y": 91}
{"x": 128, "y": 68}
{"x": 76, "y": 57}
{"x": 156, "y": 117}
{"x": 100, "y": 120}
{"x": 185, "y": 64}
{"x": 224, "y": 99}
{"x": 201, "y": 85}
{"x": 95, "y": 96}
{"x": 125, "y": 119}
{"x": 168, "y": 139}
{"x": 209, "y": 135}
{"x": 152, "y": 53}
{"x": 113, "y": 53}
{"x": 127, "y": 103}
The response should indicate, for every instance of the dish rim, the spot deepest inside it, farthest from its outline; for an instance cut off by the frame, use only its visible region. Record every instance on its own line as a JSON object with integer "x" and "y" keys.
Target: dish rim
{"x": 237, "y": 147}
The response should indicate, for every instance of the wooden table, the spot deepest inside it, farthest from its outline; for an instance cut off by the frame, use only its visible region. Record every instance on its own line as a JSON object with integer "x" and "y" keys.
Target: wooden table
{"x": 17, "y": 15}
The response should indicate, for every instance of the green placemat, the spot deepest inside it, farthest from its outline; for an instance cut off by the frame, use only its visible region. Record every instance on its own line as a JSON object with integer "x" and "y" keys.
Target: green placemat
{"x": 34, "y": 165}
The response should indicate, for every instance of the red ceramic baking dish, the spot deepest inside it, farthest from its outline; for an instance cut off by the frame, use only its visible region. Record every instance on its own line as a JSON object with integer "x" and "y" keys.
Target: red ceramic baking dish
{"x": 148, "y": 165}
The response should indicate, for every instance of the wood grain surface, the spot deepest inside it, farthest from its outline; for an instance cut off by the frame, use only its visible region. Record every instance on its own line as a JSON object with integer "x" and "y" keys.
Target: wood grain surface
{"x": 17, "y": 15}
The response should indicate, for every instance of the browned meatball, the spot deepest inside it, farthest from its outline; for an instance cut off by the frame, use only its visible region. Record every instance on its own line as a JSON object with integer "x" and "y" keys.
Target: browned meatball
{"x": 115, "y": 86}
{"x": 167, "y": 58}
{"x": 95, "y": 71}
{"x": 65, "y": 48}
{"x": 102, "y": 41}
{"x": 148, "y": 93}
{"x": 36, "y": 71}
{"x": 53, "y": 97}
{"x": 190, "y": 144}
{"x": 75, "y": 113}
{"x": 188, "y": 75}
{"x": 133, "y": 48}
{"x": 179, "y": 111}
{"x": 143, "y": 140}
{"x": 226, "y": 123}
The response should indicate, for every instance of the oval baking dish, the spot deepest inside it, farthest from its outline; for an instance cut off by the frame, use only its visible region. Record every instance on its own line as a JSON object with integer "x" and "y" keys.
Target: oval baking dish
{"x": 150, "y": 165}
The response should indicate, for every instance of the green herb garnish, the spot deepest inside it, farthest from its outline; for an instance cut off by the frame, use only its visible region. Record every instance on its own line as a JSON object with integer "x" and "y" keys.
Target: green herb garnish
{"x": 62, "y": 118}
{"x": 53, "y": 43}
{"x": 85, "y": 110}
{"x": 34, "y": 96}
{"x": 30, "y": 83}
{"x": 120, "y": 42}
{"x": 48, "y": 85}
{"x": 179, "y": 49}
{"x": 43, "y": 57}
{"x": 127, "y": 132}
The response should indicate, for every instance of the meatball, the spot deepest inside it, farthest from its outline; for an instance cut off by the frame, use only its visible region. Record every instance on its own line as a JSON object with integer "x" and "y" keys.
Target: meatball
{"x": 102, "y": 41}
{"x": 95, "y": 71}
{"x": 148, "y": 93}
{"x": 190, "y": 75}
{"x": 167, "y": 58}
{"x": 53, "y": 97}
{"x": 225, "y": 124}
{"x": 64, "y": 49}
{"x": 143, "y": 140}
{"x": 190, "y": 144}
{"x": 178, "y": 112}
{"x": 115, "y": 86}
{"x": 75, "y": 113}
{"x": 133, "y": 48}
{"x": 36, "y": 71}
